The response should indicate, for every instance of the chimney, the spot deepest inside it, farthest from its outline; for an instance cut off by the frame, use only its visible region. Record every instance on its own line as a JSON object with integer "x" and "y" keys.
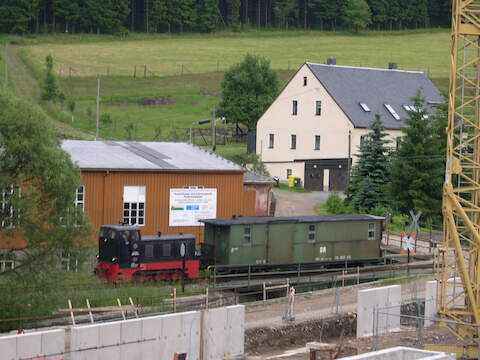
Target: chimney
{"x": 331, "y": 61}
{"x": 392, "y": 66}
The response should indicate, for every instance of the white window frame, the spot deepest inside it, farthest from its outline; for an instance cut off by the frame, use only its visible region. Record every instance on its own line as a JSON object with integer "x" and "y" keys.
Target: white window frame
{"x": 80, "y": 191}
{"x": 247, "y": 236}
{"x": 134, "y": 210}
{"x": 11, "y": 220}
{"x": 365, "y": 107}
{"x": 371, "y": 231}
{"x": 392, "y": 111}
{"x": 3, "y": 265}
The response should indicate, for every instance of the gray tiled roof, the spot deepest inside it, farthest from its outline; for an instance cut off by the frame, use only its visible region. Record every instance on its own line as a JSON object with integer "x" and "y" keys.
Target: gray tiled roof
{"x": 243, "y": 220}
{"x": 124, "y": 155}
{"x": 251, "y": 177}
{"x": 349, "y": 86}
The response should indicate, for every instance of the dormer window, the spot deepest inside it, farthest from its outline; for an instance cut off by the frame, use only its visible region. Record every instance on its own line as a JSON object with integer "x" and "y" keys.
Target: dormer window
{"x": 392, "y": 111}
{"x": 365, "y": 107}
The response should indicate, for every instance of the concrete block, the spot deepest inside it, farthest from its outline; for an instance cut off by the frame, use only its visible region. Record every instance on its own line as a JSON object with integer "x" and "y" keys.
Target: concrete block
{"x": 150, "y": 349}
{"x": 92, "y": 354}
{"x": 403, "y": 353}
{"x": 131, "y": 331}
{"x": 430, "y": 302}
{"x": 109, "y": 334}
{"x": 8, "y": 347}
{"x": 131, "y": 351}
{"x": 383, "y": 302}
{"x": 236, "y": 330}
{"x": 29, "y": 345}
{"x": 181, "y": 334}
{"x": 53, "y": 342}
{"x": 216, "y": 335}
{"x": 84, "y": 337}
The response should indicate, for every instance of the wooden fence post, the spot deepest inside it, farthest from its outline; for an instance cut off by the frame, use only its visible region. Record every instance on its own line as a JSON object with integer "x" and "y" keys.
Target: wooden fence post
{"x": 264, "y": 292}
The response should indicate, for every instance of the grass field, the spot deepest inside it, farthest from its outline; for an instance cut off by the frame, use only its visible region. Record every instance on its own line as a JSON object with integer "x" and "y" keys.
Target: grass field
{"x": 426, "y": 50}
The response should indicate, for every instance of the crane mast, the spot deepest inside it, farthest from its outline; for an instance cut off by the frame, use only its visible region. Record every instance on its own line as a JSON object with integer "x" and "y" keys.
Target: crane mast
{"x": 458, "y": 265}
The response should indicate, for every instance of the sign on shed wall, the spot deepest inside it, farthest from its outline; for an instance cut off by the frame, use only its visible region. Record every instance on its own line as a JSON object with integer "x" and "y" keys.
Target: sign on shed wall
{"x": 187, "y": 206}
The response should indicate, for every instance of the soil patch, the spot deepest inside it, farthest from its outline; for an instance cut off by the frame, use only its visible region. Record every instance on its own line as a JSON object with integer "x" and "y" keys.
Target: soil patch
{"x": 210, "y": 93}
{"x": 157, "y": 101}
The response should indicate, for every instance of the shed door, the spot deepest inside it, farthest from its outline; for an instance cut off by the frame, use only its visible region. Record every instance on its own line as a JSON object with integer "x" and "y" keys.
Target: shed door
{"x": 279, "y": 244}
{"x": 313, "y": 177}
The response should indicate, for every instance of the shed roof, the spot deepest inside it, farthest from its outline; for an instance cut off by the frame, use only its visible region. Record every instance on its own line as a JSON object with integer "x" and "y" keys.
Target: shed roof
{"x": 129, "y": 155}
{"x": 253, "y": 178}
{"x": 251, "y": 220}
{"x": 350, "y": 86}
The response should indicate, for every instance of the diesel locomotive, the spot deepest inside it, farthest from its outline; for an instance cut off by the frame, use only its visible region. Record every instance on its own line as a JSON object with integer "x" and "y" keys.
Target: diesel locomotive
{"x": 259, "y": 243}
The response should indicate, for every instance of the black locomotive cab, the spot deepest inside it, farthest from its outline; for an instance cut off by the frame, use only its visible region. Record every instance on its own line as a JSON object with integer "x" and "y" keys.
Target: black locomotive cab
{"x": 119, "y": 245}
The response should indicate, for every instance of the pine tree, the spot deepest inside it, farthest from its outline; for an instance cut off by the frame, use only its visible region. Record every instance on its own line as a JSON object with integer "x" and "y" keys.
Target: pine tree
{"x": 417, "y": 169}
{"x": 207, "y": 15}
{"x": 370, "y": 173}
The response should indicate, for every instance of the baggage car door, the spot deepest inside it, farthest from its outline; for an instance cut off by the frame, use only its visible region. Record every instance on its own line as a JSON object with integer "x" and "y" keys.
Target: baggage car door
{"x": 279, "y": 246}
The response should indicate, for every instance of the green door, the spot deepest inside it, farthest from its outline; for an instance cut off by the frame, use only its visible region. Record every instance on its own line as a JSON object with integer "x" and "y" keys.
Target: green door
{"x": 279, "y": 247}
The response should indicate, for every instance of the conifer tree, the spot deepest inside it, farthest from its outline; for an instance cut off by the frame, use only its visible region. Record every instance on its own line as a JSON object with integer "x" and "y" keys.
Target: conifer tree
{"x": 417, "y": 169}
{"x": 370, "y": 173}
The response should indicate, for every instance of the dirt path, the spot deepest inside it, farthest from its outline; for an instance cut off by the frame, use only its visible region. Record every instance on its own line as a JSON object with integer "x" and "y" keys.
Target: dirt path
{"x": 25, "y": 85}
{"x": 319, "y": 304}
{"x": 291, "y": 203}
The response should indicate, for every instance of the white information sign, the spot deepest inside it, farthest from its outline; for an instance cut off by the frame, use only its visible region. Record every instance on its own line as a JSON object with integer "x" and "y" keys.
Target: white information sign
{"x": 187, "y": 206}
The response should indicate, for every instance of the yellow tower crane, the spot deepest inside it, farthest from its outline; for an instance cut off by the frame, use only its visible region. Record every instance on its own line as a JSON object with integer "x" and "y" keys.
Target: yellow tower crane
{"x": 459, "y": 256}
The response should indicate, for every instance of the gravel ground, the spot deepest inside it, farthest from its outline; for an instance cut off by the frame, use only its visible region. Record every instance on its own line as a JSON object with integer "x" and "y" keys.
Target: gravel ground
{"x": 292, "y": 204}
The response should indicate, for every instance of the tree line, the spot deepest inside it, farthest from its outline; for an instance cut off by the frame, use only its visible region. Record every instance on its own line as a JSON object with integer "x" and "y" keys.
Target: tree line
{"x": 121, "y": 16}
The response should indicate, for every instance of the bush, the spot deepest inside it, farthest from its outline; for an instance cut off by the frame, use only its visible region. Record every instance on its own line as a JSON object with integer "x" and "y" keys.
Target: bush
{"x": 336, "y": 205}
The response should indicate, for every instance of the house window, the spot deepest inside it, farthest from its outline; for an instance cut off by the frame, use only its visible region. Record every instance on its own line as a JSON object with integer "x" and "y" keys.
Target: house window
{"x": 6, "y": 265}
{"x": 318, "y": 108}
{"x": 294, "y": 107}
{"x": 371, "y": 231}
{"x": 398, "y": 142}
{"x": 304, "y": 81}
{"x": 80, "y": 197}
{"x": 9, "y": 215}
{"x": 271, "y": 141}
{"x": 365, "y": 107}
{"x": 134, "y": 205}
{"x": 363, "y": 138}
{"x": 312, "y": 234}
{"x": 293, "y": 141}
{"x": 289, "y": 173}
{"x": 317, "y": 142}
{"x": 247, "y": 235}
{"x": 392, "y": 111}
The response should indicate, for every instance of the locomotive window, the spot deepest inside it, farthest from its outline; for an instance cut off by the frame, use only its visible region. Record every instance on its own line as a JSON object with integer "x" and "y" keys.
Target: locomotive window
{"x": 247, "y": 235}
{"x": 167, "y": 250}
{"x": 371, "y": 231}
{"x": 312, "y": 233}
{"x": 149, "y": 251}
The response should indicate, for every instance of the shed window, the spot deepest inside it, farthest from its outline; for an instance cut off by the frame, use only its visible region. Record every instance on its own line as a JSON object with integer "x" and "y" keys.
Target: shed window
{"x": 304, "y": 81}
{"x": 247, "y": 235}
{"x": 294, "y": 107}
{"x": 318, "y": 107}
{"x": 149, "y": 251}
{"x": 134, "y": 205}
{"x": 271, "y": 141}
{"x": 312, "y": 237}
{"x": 80, "y": 197}
{"x": 371, "y": 231}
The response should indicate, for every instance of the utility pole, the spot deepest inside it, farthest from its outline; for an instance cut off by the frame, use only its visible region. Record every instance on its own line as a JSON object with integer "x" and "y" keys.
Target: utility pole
{"x": 5, "y": 81}
{"x": 214, "y": 144}
{"x": 98, "y": 107}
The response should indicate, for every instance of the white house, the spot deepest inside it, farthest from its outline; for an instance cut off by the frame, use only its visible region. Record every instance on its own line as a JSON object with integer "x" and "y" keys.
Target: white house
{"x": 314, "y": 127}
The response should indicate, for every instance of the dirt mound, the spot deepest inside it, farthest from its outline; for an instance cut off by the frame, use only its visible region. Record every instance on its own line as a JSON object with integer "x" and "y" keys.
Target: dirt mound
{"x": 210, "y": 93}
{"x": 157, "y": 101}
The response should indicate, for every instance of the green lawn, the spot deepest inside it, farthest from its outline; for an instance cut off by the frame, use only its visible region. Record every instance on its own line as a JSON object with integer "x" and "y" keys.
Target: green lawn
{"x": 426, "y": 50}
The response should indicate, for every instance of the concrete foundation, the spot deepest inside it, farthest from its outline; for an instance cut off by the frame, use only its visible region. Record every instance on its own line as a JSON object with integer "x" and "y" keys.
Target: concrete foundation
{"x": 455, "y": 289}
{"x": 384, "y": 302}
{"x": 32, "y": 345}
{"x": 402, "y": 353}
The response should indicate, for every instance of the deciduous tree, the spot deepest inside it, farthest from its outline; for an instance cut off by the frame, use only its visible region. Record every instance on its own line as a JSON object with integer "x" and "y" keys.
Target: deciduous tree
{"x": 248, "y": 88}
{"x": 357, "y": 14}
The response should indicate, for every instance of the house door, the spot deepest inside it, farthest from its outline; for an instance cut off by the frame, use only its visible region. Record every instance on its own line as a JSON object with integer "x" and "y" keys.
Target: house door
{"x": 313, "y": 177}
{"x": 338, "y": 178}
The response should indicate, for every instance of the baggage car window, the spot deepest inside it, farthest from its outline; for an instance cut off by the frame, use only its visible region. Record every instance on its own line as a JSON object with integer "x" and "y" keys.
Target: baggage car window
{"x": 247, "y": 235}
{"x": 312, "y": 234}
{"x": 371, "y": 231}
